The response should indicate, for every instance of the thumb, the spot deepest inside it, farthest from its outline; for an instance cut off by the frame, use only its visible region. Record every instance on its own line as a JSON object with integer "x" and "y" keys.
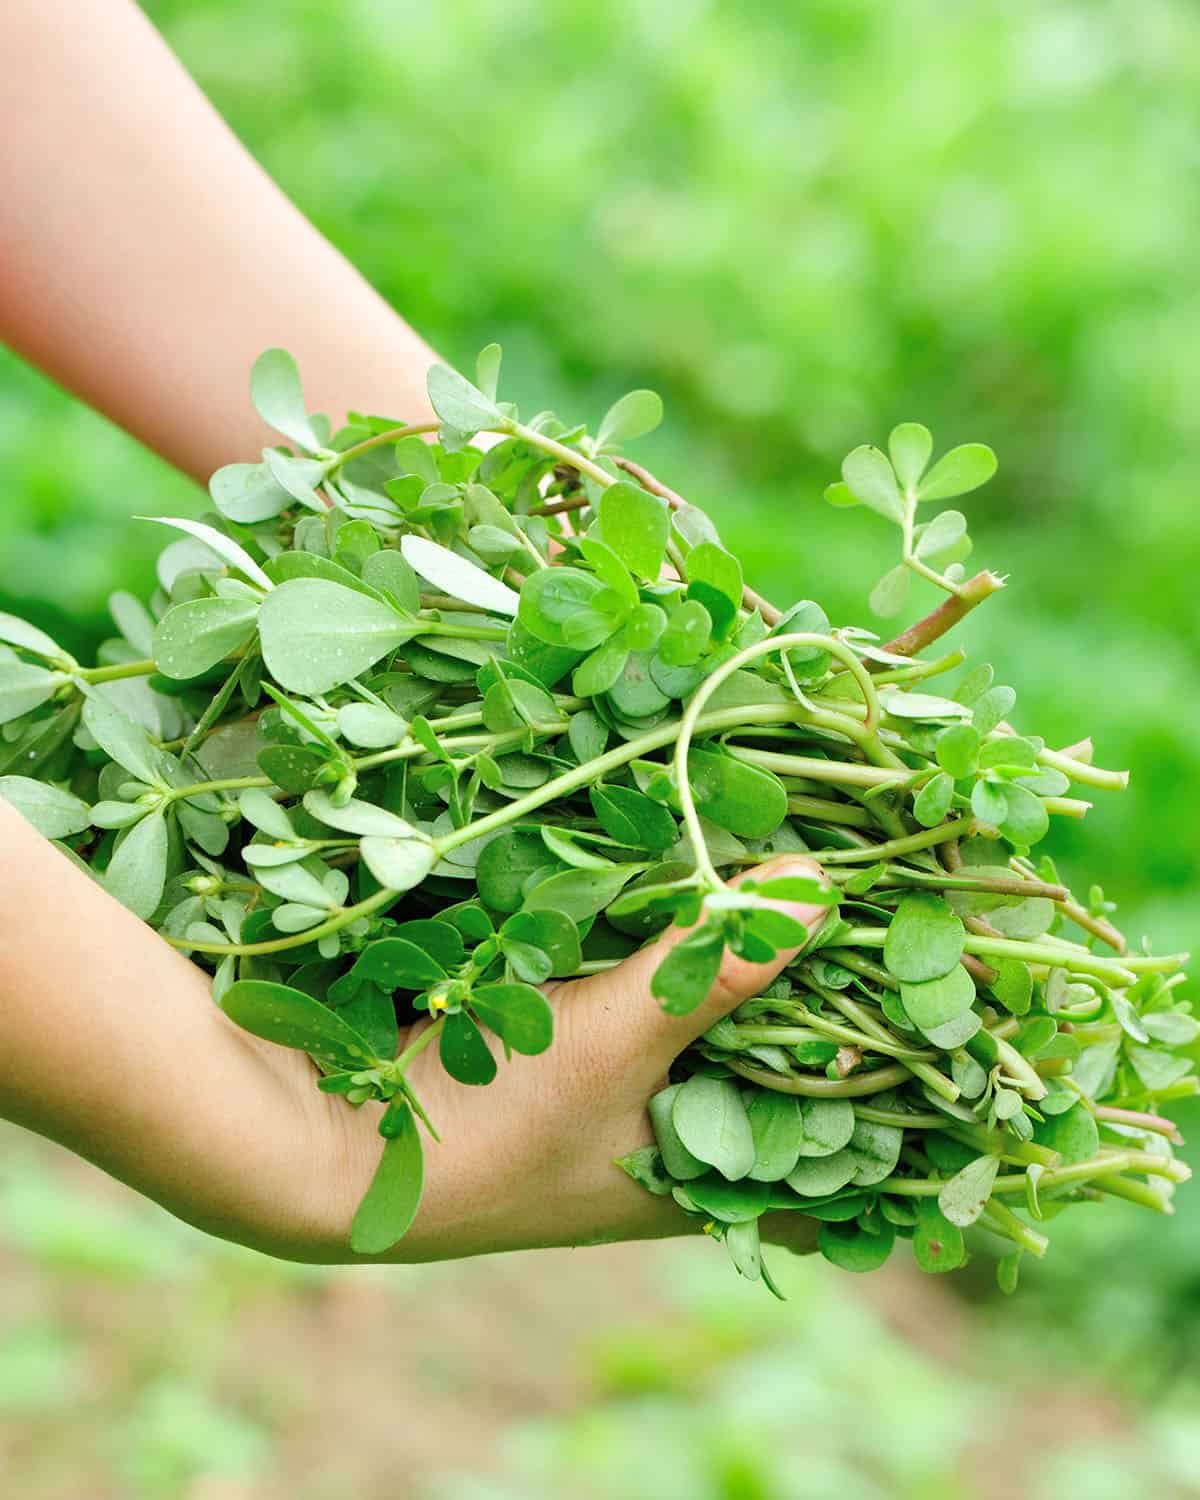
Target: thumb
{"x": 622, "y": 999}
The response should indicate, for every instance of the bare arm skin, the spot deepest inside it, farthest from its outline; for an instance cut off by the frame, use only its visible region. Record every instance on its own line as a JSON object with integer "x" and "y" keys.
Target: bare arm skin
{"x": 146, "y": 258}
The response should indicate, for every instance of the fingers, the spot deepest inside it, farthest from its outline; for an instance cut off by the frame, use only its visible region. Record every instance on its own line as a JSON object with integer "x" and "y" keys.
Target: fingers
{"x": 628, "y": 1017}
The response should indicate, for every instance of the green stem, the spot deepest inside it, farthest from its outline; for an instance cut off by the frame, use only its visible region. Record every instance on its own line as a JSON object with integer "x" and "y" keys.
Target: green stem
{"x": 695, "y": 708}
{"x": 837, "y": 773}
{"x": 822, "y": 1088}
{"x": 343, "y": 918}
{"x": 1001, "y": 1219}
{"x": 378, "y": 440}
{"x": 928, "y": 838}
{"x": 562, "y": 453}
{"x": 611, "y": 760}
{"x": 430, "y": 1034}
{"x": 1085, "y": 775}
{"x": 117, "y": 673}
{"x": 821, "y": 810}
{"x": 1067, "y": 957}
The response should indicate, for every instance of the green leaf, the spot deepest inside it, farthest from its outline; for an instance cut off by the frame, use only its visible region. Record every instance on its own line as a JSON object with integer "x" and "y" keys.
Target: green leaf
{"x": 934, "y": 1002}
{"x": 684, "y": 978}
{"x": 711, "y": 565}
{"x": 599, "y": 671}
{"x": 357, "y": 816}
{"x": 196, "y": 635}
{"x": 552, "y": 932}
{"x": 248, "y": 493}
{"x": 579, "y": 894}
{"x": 890, "y": 594}
{"x": 517, "y": 1013}
{"x": 957, "y": 750}
{"x": 964, "y": 1198}
{"x": 1073, "y": 1134}
{"x": 778, "y": 1134}
{"x": 227, "y": 550}
{"x": 647, "y": 1169}
{"x": 387, "y": 571}
{"x": 633, "y": 416}
{"x": 854, "y": 1249}
{"x": 461, "y": 405}
{"x": 316, "y": 635}
{"x": 957, "y": 472}
{"x": 54, "y": 813}
{"x": 1013, "y": 985}
{"x": 1026, "y": 820}
{"x": 841, "y": 496}
{"x": 937, "y": 1243}
{"x": 932, "y": 802}
{"x": 687, "y": 636}
{"x": 457, "y": 577}
{"x": 869, "y": 478}
{"x": 487, "y": 369}
{"x": 553, "y": 596}
{"x": 635, "y": 524}
{"x": 677, "y": 1159}
{"x": 24, "y": 687}
{"x": 989, "y": 803}
{"x": 398, "y": 963}
{"x": 26, "y": 637}
{"x": 730, "y": 1202}
{"x": 924, "y": 940}
{"x": 464, "y": 1053}
{"x": 942, "y": 533}
{"x": 712, "y": 1123}
{"x": 992, "y": 707}
{"x": 632, "y": 818}
{"x": 278, "y": 399}
{"x": 124, "y": 741}
{"x": 925, "y": 706}
{"x": 827, "y": 1125}
{"x": 392, "y": 1200}
{"x": 133, "y": 620}
{"x": 743, "y": 799}
{"x": 816, "y": 1176}
{"x": 875, "y": 1149}
{"x": 909, "y": 446}
{"x": 369, "y": 726}
{"x": 287, "y": 1016}
{"x": 398, "y": 863}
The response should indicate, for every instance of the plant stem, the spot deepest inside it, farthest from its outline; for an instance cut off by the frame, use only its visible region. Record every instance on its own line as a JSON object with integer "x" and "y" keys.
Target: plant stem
{"x": 836, "y": 773}
{"x": 700, "y": 697}
{"x": 909, "y": 642}
{"x": 611, "y": 760}
{"x": 1067, "y": 957}
{"x": 378, "y": 440}
{"x": 335, "y": 923}
{"x": 118, "y": 672}
{"x": 560, "y": 451}
{"x": 822, "y": 1088}
{"x": 429, "y": 1034}
{"x": 928, "y": 838}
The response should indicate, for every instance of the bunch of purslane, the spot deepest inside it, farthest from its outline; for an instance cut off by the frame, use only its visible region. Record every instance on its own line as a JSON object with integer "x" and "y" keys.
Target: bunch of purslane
{"x": 415, "y": 726}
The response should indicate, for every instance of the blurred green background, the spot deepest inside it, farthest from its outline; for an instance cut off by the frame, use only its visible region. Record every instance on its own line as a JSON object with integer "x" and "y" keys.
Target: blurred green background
{"x": 801, "y": 223}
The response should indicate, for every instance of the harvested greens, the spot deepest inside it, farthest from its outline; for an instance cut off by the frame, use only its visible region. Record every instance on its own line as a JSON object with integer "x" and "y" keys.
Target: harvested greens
{"x": 413, "y": 727}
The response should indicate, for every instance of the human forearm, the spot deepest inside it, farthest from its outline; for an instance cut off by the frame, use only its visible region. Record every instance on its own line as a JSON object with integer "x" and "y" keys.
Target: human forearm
{"x": 147, "y": 259}
{"x": 111, "y": 1045}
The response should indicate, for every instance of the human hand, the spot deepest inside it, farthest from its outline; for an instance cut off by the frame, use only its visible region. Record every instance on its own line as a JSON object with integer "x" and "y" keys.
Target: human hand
{"x": 117, "y": 1050}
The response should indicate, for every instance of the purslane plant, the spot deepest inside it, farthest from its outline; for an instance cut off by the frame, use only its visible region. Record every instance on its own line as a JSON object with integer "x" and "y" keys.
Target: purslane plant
{"x": 411, "y": 728}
